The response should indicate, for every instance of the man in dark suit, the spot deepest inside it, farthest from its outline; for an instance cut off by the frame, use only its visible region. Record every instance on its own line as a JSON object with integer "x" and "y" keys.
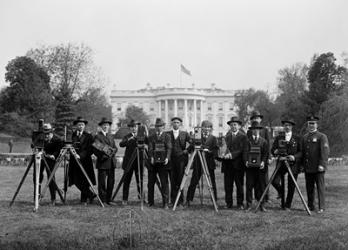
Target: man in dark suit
{"x": 233, "y": 162}
{"x": 258, "y": 152}
{"x": 160, "y": 148}
{"x": 129, "y": 141}
{"x": 210, "y": 149}
{"x": 52, "y": 146}
{"x": 315, "y": 153}
{"x": 286, "y": 147}
{"x": 182, "y": 146}
{"x": 106, "y": 162}
{"x": 82, "y": 142}
{"x": 256, "y": 117}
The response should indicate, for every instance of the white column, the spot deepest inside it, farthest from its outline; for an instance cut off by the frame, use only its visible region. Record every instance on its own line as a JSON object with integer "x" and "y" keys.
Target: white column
{"x": 166, "y": 112}
{"x": 175, "y": 107}
{"x": 185, "y": 114}
{"x": 159, "y": 108}
{"x": 202, "y": 111}
{"x": 194, "y": 112}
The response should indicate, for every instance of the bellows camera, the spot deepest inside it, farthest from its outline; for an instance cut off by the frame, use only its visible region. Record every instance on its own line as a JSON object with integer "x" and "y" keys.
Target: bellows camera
{"x": 159, "y": 152}
{"x": 282, "y": 145}
{"x": 38, "y": 137}
{"x": 141, "y": 134}
{"x": 197, "y": 136}
{"x": 254, "y": 158}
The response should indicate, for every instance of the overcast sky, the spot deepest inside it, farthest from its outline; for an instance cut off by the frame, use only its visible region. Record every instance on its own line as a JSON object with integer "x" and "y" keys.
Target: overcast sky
{"x": 235, "y": 44}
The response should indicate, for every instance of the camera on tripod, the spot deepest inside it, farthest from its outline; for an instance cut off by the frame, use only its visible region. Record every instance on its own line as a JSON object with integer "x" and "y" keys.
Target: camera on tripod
{"x": 141, "y": 134}
{"x": 282, "y": 145}
{"x": 38, "y": 136}
{"x": 197, "y": 136}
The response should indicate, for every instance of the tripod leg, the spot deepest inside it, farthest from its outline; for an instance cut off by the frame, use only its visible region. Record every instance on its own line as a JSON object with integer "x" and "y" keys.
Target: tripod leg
{"x": 182, "y": 185}
{"x": 37, "y": 166}
{"x": 55, "y": 168}
{"x": 141, "y": 184}
{"x": 297, "y": 187}
{"x": 85, "y": 174}
{"x": 207, "y": 176}
{"x": 268, "y": 185}
{"x": 200, "y": 185}
{"x": 126, "y": 171}
{"x": 22, "y": 180}
{"x": 53, "y": 181}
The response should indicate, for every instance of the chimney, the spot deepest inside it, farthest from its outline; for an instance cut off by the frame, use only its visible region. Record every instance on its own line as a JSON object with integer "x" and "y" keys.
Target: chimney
{"x": 213, "y": 85}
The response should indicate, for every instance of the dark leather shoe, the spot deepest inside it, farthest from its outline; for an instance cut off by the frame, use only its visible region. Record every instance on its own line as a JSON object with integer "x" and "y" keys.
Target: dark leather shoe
{"x": 90, "y": 199}
{"x": 229, "y": 205}
{"x": 240, "y": 207}
{"x": 111, "y": 203}
{"x": 150, "y": 204}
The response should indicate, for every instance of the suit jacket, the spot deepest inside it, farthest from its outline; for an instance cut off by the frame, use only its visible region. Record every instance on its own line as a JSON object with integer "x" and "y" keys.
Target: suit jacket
{"x": 315, "y": 151}
{"x": 104, "y": 161}
{"x": 211, "y": 144}
{"x": 53, "y": 147}
{"x": 238, "y": 147}
{"x": 294, "y": 147}
{"x": 165, "y": 138}
{"x": 265, "y": 135}
{"x": 131, "y": 146}
{"x": 262, "y": 143}
{"x": 185, "y": 142}
{"x": 84, "y": 149}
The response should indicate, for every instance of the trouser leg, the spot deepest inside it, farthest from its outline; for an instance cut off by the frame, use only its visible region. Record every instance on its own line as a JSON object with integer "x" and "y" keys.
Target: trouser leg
{"x": 228, "y": 185}
{"x": 310, "y": 189}
{"x": 320, "y": 182}
{"x": 239, "y": 180}
{"x": 110, "y": 184}
{"x": 102, "y": 174}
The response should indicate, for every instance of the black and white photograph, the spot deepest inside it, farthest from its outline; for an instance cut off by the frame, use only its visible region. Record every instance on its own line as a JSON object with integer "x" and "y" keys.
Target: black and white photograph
{"x": 173, "y": 124}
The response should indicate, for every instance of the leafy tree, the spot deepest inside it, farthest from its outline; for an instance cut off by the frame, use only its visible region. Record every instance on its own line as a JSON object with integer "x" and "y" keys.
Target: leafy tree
{"x": 134, "y": 113}
{"x": 325, "y": 78}
{"x": 244, "y": 102}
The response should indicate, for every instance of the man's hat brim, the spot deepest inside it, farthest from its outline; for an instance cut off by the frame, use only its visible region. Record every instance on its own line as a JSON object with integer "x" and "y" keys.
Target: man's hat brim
{"x": 255, "y": 127}
{"x": 176, "y": 118}
{"x": 80, "y": 120}
{"x": 236, "y": 121}
{"x": 289, "y": 121}
{"x": 254, "y": 116}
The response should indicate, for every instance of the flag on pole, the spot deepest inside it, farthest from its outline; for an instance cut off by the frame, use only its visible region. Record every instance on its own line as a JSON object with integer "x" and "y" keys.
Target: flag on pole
{"x": 185, "y": 70}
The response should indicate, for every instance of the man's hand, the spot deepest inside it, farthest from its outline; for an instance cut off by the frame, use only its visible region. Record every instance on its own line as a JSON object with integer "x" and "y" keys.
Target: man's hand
{"x": 152, "y": 160}
{"x": 185, "y": 151}
{"x": 291, "y": 158}
{"x": 78, "y": 157}
{"x": 321, "y": 168}
{"x": 247, "y": 164}
{"x": 228, "y": 156}
{"x": 166, "y": 161}
{"x": 276, "y": 151}
{"x": 50, "y": 157}
{"x": 262, "y": 165}
{"x": 206, "y": 150}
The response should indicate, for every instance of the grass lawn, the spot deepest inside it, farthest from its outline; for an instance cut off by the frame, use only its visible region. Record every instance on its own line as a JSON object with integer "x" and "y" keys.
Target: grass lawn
{"x": 73, "y": 226}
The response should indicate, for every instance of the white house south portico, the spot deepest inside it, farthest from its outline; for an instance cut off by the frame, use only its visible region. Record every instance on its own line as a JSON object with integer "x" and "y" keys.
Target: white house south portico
{"x": 193, "y": 105}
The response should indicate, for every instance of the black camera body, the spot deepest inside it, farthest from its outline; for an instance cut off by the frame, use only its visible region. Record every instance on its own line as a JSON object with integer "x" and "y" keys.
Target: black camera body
{"x": 159, "y": 153}
{"x": 197, "y": 136}
{"x": 141, "y": 134}
{"x": 254, "y": 157}
{"x": 282, "y": 145}
{"x": 38, "y": 136}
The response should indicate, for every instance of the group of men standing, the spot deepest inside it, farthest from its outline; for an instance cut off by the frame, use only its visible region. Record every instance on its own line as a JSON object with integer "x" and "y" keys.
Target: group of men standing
{"x": 243, "y": 155}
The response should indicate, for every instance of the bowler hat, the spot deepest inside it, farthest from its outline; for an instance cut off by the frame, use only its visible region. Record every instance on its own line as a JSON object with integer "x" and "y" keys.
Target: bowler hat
{"x": 80, "y": 119}
{"x": 234, "y": 119}
{"x": 255, "y": 125}
{"x": 159, "y": 122}
{"x": 47, "y": 128}
{"x": 291, "y": 121}
{"x": 255, "y": 114}
{"x": 104, "y": 120}
{"x": 312, "y": 118}
{"x": 206, "y": 124}
{"x": 132, "y": 123}
{"x": 176, "y": 118}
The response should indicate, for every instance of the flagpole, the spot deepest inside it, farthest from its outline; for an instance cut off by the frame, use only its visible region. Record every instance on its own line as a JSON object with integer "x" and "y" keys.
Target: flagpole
{"x": 180, "y": 77}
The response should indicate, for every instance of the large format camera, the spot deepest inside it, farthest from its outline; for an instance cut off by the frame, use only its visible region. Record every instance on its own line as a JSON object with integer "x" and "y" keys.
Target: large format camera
{"x": 282, "y": 145}
{"x": 38, "y": 136}
{"x": 197, "y": 136}
{"x": 254, "y": 157}
{"x": 159, "y": 152}
{"x": 141, "y": 134}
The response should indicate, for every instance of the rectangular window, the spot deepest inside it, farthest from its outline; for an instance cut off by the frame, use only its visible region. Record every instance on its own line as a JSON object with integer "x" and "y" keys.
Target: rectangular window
{"x": 119, "y": 108}
{"x": 209, "y": 106}
{"x": 152, "y": 106}
{"x": 221, "y": 120}
{"x": 231, "y": 106}
{"x": 221, "y": 106}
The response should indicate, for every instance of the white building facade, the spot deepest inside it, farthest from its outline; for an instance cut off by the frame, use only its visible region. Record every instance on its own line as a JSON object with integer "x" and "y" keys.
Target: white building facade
{"x": 192, "y": 105}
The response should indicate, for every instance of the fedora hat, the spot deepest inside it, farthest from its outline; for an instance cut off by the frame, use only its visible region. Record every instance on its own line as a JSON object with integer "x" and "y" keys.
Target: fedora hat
{"x": 291, "y": 121}
{"x": 255, "y": 125}
{"x": 312, "y": 118}
{"x": 159, "y": 122}
{"x": 104, "y": 120}
{"x": 80, "y": 119}
{"x": 234, "y": 119}
{"x": 47, "y": 128}
{"x": 132, "y": 123}
{"x": 255, "y": 114}
{"x": 176, "y": 118}
{"x": 206, "y": 124}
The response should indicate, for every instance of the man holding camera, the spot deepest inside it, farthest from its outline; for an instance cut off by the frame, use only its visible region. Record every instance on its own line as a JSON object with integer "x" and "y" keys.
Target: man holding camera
{"x": 210, "y": 149}
{"x": 255, "y": 166}
{"x": 233, "y": 162}
{"x": 182, "y": 146}
{"x": 82, "y": 142}
{"x": 130, "y": 142}
{"x": 105, "y": 150}
{"x": 160, "y": 148}
{"x": 315, "y": 151}
{"x": 52, "y": 146}
{"x": 287, "y": 147}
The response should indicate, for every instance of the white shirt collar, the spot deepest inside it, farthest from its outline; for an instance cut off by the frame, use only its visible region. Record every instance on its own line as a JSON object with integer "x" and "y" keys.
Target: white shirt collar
{"x": 288, "y": 136}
